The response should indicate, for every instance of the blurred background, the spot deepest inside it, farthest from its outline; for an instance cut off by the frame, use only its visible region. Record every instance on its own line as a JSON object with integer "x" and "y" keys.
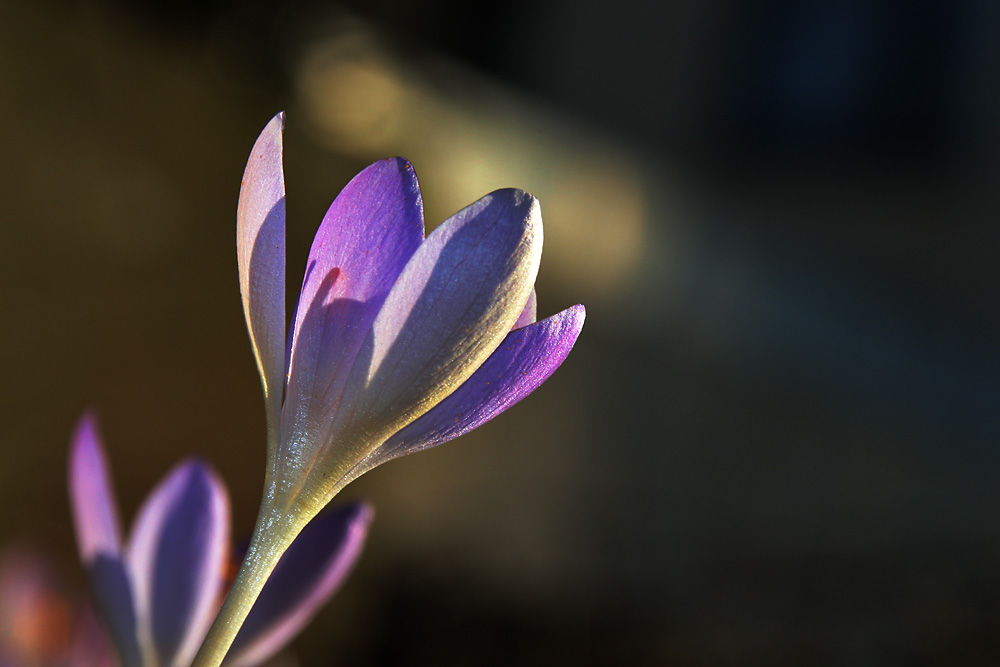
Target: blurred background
{"x": 777, "y": 441}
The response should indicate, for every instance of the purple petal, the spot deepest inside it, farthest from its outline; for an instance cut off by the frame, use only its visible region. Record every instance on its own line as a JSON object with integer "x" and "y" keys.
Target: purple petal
{"x": 114, "y": 596}
{"x": 98, "y": 536}
{"x": 453, "y": 304}
{"x": 530, "y": 312}
{"x": 177, "y": 554}
{"x": 260, "y": 249}
{"x": 525, "y": 359}
{"x": 95, "y": 513}
{"x": 307, "y": 576}
{"x": 369, "y": 233}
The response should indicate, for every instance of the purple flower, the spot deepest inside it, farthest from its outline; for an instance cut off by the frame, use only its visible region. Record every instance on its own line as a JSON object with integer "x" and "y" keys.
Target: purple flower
{"x": 398, "y": 343}
{"x": 159, "y": 592}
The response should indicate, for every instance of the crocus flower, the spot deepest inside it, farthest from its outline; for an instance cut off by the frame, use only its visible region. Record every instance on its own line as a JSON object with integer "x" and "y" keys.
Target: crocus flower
{"x": 159, "y": 592}
{"x": 398, "y": 343}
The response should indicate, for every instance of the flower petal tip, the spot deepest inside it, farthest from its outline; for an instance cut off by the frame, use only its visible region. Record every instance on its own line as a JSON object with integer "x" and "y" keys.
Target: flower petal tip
{"x": 516, "y": 195}
{"x": 401, "y": 163}
{"x": 95, "y": 512}
{"x": 274, "y": 126}
{"x": 523, "y": 202}
{"x": 363, "y": 514}
{"x": 85, "y": 441}
{"x": 195, "y": 465}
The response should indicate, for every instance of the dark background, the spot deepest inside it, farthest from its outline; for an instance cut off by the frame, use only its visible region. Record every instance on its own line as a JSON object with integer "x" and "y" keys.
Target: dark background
{"x": 776, "y": 442}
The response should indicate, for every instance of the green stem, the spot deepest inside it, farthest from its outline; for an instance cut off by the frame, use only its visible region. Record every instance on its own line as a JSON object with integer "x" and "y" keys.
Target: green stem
{"x": 273, "y": 534}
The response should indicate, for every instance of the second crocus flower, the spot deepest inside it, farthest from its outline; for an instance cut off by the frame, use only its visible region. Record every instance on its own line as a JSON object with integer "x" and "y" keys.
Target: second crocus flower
{"x": 159, "y": 591}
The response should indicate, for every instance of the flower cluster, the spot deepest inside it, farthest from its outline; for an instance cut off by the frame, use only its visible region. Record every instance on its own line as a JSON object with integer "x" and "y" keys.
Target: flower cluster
{"x": 397, "y": 343}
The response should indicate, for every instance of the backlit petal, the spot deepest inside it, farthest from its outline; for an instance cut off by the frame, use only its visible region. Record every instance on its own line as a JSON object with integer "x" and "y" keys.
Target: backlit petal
{"x": 525, "y": 359}
{"x": 95, "y": 512}
{"x": 260, "y": 249}
{"x": 98, "y": 537}
{"x": 177, "y": 554}
{"x": 369, "y": 233}
{"x": 309, "y": 573}
{"x": 457, "y": 298}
